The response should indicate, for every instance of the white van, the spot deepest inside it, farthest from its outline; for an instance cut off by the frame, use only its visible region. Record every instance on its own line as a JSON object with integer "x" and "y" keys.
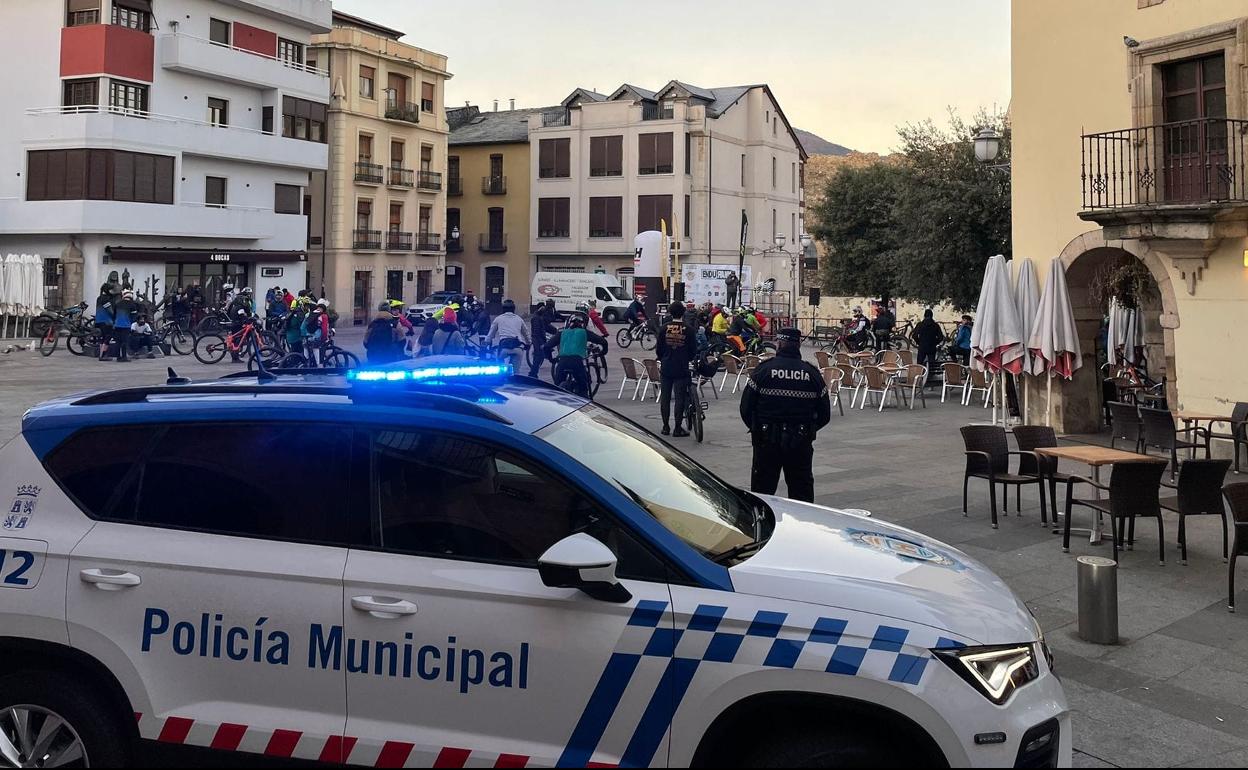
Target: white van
{"x": 571, "y": 289}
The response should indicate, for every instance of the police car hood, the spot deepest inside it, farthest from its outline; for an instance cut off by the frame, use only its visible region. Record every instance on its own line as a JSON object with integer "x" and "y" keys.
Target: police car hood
{"x": 853, "y": 562}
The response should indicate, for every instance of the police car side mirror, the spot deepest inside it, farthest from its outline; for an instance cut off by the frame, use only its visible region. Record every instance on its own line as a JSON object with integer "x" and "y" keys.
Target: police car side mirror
{"x": 582, "y": 562}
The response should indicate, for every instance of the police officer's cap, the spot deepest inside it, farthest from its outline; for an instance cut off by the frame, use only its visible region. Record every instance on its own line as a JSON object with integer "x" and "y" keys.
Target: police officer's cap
{"x": 790, "y": 336}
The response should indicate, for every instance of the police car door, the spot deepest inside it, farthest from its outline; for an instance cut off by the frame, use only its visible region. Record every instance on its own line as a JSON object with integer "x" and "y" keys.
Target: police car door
{"x": 208, "y": 567}
{"x": 456, "y": 652}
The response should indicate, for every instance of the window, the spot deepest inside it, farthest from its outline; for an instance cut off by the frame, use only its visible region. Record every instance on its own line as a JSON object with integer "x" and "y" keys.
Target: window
{"x": 426, "y": 158}
{"x": 132, "y": 17}
{"x": 552, "y": 217}
{"x": 606, "y": 217}
{"x": 396, "y": 217}
{"x": 773, "y": 172}
{"x": 302, "y": 119}
{"x": 686, "y": 227}
{"x": 81, "y": 93}
{"x": 219, "y": 31}
{"x": 606, "y": 156}
{"x": 452, "y": 166}
{"x": 82, "y": 12}
{"x": 743, "y": 170}
{"x": 366, "y": 81}
{"x": 130, "y": 97}
{"x": 366, "y": 148}
{"x": 688, "y": 153}
{"x": 214, "y": 191}
{"x": 289, "y": 52}
{"x": 793, "y": 176}
{"x": 363, "y": 214}
{"x": 774, "y": 231}
{"x": 766, "y": 117}
{"x": 312, "y": 63}
{"x": 218, "y": 112}
{"x": 91, "y": 465}
{"x": 496, "y": 167}
{"x": 775, "y": 126}
{"x": 426, "y": 97}
{"x": 286, "y": 199}
{"x": 553, "y": 158}
{"x": 651, "y": 209}
{"x": 654, "y": 153}
{"x": 396, "y": 153}
{"x": 425, "y": 220}
{"x": 493, "y": 506}
{"x": 113, "y": 175}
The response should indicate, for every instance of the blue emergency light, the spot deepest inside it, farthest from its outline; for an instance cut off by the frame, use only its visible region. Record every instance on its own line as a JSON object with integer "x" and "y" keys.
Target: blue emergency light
{"x": 465, "y": 374}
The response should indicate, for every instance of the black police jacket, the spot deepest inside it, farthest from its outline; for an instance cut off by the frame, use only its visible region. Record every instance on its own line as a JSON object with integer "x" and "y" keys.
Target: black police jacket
{"x": 786, "y": 390}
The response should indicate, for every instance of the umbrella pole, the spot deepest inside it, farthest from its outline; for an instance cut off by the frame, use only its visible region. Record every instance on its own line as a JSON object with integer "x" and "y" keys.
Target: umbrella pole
{"x": 1048, "y": 401}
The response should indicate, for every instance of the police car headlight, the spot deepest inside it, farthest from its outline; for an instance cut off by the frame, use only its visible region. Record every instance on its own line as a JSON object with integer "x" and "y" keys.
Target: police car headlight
{"x": 995, "y": 671}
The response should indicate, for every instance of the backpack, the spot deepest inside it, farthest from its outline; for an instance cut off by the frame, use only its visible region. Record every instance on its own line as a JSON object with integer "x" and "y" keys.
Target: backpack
{"x": 380, "y": 334}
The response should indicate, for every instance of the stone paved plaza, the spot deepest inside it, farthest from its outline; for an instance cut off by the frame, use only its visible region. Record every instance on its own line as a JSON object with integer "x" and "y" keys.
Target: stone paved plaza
{"x": 1175, "y": 691}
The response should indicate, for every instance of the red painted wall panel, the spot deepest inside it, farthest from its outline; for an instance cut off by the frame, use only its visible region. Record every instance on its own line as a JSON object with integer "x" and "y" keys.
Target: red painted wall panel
{"x": 254, "y": 39}
{"x": 104, "y": 48}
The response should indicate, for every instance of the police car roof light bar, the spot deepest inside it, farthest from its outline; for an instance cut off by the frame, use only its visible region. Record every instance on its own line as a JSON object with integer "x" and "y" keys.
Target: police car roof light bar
{"x": 467, "y": 373}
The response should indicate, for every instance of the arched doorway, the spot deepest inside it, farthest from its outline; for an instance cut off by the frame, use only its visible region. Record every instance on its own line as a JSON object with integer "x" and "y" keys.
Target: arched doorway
{"x": 1078, "y": 408}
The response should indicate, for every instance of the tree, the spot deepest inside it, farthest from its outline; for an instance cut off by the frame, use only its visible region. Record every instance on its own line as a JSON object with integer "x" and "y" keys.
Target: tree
{"x": 921, "y": 228}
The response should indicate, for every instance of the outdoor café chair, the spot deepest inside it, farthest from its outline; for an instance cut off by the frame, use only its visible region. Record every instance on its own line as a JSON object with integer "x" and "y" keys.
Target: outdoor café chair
{"x": 1133, "y": 488}
{"x": 890, "y": 358}
{"x": 1029, "y": 439}
{"x": 954, "y": 379}
{"x": 988, "y": 457}
{"x": 1125, "y": 425}
{"x": 653, "y": 377}
{"x": 1238, "y": 433}
{"x": 1237, "y": 499}
{"x": 832, "y": 378}
{"x": 913, "y": 378}
{"x": 1160, "y": 433}
{"x": 751, "y": 363}
{"x": 876, "y": 381}
{"x": 844, "y": 361}
{"x": 823, "y": 359}
{"x": 1199, "y": 494}
{"x": 733, "y": 367}
{"x": 906, "y": 357}
{"x": 633, "y": 372}
{"x": 850, "y": 380}
{"x": 980, "y": 382}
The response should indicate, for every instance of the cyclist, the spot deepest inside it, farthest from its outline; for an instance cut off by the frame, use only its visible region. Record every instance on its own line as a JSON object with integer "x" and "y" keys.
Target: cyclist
{"x": 541, "y": 323}
{"x": 960, "y": 350}
{"x": 124, "y": 312}
{"x": 635, "y": 316}
{"x": 739, "y": 330}
{"x": 572, "y": 345}
{"x": 383, "y": 336}
{"x": 316, "y": 330}
{"x": 883, "y": 326}
{"x": 719, "y": 324}
{"x": 675, "y": 347}
{"x": 595, "y": 318}
{"x": 859, "y": 330}
{"x": 294, "y": 325}
{"x": 510, "y": 334}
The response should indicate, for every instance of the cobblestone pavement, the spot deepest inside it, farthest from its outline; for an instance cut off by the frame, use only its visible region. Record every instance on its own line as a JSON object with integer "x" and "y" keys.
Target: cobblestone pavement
{"x": 1175, "y": 692}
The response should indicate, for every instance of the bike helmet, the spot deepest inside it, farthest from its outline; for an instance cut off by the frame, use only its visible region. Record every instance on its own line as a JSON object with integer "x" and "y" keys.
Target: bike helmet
{"x": 246, "y": 290}
{"x": 395, "y": 304}
{"x": 227, "y": 287}
{"x": 509, "y": 306}
{"x": 576, "y": 322}
{"x": 384, "y": 307}
{"x": 582, "y": 307}
{"x": 322, "y": 302}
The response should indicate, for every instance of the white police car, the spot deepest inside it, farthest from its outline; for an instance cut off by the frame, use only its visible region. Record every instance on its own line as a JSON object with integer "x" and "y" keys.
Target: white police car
{"x": 447, "y": 566}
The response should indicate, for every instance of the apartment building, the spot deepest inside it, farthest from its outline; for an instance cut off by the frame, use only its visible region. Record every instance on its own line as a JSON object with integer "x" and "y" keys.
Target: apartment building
{"x": 378, "y": 215}
{"x": 1132, "y": 154}
{"x": 489, "y": 185}
{"x": 607, "y": 166}
{"x": 169, "y": 142}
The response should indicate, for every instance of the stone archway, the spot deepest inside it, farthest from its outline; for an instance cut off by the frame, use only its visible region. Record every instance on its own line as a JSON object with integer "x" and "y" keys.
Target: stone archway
{"x": 1077, "y": 408}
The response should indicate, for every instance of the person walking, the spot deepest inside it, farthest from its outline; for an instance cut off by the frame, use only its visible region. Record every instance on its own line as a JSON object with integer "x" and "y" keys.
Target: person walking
{"x": 927, "y": 337}
{"x": 542, "y": 326}
{"x": 124, "y": 313}
{"x": 961, "y": 348}
{"x": 675, "y": 348}
{"x": 785, "y": 405}
{"x": 104, "y": 319}
{"x": 510, "y": 334}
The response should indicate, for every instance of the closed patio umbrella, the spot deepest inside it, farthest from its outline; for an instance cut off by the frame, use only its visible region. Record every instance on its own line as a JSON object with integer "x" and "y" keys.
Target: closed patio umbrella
{"x": 997, "y": 339}
{"x": 1054, "y": 338}
{"x": 1123, "y": 334}
{"x": 1027, "y": 297}
{"x": 8, "y": 271}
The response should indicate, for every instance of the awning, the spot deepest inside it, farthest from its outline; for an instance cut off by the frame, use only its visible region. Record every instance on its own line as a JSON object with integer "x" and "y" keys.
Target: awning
{"x": 222, "y": 256}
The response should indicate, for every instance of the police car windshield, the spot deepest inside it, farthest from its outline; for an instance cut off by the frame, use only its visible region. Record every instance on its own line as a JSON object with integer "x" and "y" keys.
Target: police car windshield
{"x": 695, "y": 505}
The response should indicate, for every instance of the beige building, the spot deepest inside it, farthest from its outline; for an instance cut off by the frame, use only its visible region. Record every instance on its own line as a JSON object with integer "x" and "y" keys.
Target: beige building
{"x": 378, "y": 232}
{"x": 1135, "y": 151}
{"x": 488, "y": 186}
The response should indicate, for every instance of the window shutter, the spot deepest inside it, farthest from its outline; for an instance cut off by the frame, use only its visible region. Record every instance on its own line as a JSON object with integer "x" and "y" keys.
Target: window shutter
{"x": 615, "y": 215}
{"x": 595, "y": 215}
{"x": 75, "y": 175}
{"x": 563, "y": 163}
{"x": 562, "y": 215}
{"x": 597, "y": 155}
{"x": 56, "y": 175}
{"x": 145, "y": 178}
{"x": 646, "y": 153}
{"x": 97, "y": 175}
{"x": 84, "y": 5}
{"x": 615, "y": 155}
{"x": 164, "y": 179}
{"x": 426, "y": 91}
{"x": 123, "y": 176}
{"x": 36, "y": 176}
{"x": 663, "y": 153}
{"x": 319, "y": 111}
{"x": 286, "y": 199}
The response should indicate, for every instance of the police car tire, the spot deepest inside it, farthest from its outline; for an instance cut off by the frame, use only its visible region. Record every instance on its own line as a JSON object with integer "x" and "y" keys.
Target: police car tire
{"x": 79, "y": 704}
{"x": 815, "y": 745}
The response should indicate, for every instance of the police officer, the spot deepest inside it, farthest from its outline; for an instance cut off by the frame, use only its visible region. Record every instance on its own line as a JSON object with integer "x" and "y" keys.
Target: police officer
{"x": 784, "y": 405}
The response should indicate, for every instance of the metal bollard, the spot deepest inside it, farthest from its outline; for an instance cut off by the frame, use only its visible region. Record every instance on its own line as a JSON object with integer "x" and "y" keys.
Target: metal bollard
{"x": 1098, "y": 599}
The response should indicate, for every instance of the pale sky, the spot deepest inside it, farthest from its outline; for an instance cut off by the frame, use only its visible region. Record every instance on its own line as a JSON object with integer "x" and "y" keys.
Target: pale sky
{"x": 848, "y": 70}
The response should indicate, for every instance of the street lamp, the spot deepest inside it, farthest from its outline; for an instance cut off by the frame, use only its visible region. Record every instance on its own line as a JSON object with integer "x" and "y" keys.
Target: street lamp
{"x": 987, "y": 145}
{"x": 779, "y": 241}
{"x": 455, "y": 233}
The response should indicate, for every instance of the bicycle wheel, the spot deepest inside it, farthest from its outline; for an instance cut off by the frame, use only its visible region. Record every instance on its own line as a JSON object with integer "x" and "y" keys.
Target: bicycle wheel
{"x": 48, "y": 341}
{"x": 77, "y": 344}
{"x": 767, "y": 347}
{"x": 648, "y": 340}
{"x": 337, "y": 358}
{"x": 210, "y": 349}
{"x": 623, "y": 338}
{"x": 267, "y": 356}
{"x": 270, "y": 340}
{"x": 696, "y": 416}
{"x": 292, "y": 361}
{"x": 182, "y": 343}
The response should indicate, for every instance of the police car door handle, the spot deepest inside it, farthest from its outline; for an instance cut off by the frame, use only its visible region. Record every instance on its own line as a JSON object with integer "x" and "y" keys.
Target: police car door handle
{"x": 383, "y": 607}
{"x": 110, "y": 579}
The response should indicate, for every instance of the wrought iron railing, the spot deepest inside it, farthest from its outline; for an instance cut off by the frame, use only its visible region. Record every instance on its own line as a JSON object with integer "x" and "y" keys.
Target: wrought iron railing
{"x": 1188, "y": 162}
{"x": 493, "y": 242}
{"x": 555, "y": 119}
{"x": 366, "y": 239}
{"x": 429, "y": 242}
{"x": 494, "y": 185}
{"x": 405, "y": 111}
{"x": 368, "y": 172}
{"x": 401, "y": 177}
{"x": 454, "y": 245}
{"x": 397, "y": 241}
{"x": 656, "y": 111}
{"x": 429, "y": 180}
{"x": 454, "y": 186}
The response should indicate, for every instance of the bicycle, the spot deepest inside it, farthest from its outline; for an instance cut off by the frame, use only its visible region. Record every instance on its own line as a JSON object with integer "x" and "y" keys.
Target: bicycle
{"x": 331, "y": 357}
{"x": 636, "y": 333}
{"x": 695, "y": 412}
{"x": 214, "y": 320}
{"x": 49, "y": 326}
{"x": 211, "y": 348}
{"x": 178, "y": 339}
{"x": 756, "y": 346}
{"x": 595, "y": 368}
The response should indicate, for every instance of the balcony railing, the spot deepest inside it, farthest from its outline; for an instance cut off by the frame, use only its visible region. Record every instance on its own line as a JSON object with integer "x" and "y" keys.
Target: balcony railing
{"x": 429, "y": 180}
{"x": 429, "y": 242}
{"x": 493, "y": 242}
{"x": 397, "y": 241}
{"x": 494, "y": 185}
{"x": 405, "y": 111}
{"x": 656, "y": 112}
{"x": 454, "y": 245}
{"x": 454, "y": 186}
{"x": 366, "y": 239}
{"x": 368, "y": 172}
{"x": 1185, "y": 163}
{"x": 555, "y": 119}
{"x": 401, "y": 177}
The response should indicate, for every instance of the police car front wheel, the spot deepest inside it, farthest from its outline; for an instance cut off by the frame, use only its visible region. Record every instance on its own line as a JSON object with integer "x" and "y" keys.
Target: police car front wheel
{"x": 50, "y": 720}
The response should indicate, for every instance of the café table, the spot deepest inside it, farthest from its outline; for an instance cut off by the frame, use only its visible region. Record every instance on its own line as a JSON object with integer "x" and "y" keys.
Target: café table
{"x": 1096, "y": 457}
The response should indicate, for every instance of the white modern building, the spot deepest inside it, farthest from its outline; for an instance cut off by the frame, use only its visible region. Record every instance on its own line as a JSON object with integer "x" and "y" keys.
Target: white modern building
{"x": 168, "y": 139}
{"x": 611, "y": 166}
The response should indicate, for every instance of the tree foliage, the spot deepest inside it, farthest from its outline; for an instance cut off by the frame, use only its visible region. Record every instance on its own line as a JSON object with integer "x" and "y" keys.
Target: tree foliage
{"x": 922, "y": 228}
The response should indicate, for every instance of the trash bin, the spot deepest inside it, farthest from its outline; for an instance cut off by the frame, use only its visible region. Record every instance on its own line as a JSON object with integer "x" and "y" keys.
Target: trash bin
{"x": 1098, "y": 599}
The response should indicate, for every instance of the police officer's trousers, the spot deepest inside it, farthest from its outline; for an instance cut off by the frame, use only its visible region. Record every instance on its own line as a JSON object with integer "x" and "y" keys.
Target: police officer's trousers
{"x": 796, "y": 461}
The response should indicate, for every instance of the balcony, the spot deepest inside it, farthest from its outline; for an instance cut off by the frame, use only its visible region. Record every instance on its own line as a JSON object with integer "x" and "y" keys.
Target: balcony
{"x": 454, "y": 186}
{"x": 312, "y": 15}
{"x": 400, "y": 110}
{"x": 494, "y": 185}
{"x": 555, "y": 119}
{"x": 429, "y": 180}
{"x": 454, "y": 245}
{"x": 400, "y": 177}
{"x": 111, "y": 49}
{"x": 366, "y": 240}
{"x": 493, "y": 243}
{"x": 656, "y": 112}
{"x": 199, "y": 56}
{"x": 184, "y": 220}
{"x": 429, "y": 242}
{"x": 397, "y": 241}
{"x": 369, "y": 173}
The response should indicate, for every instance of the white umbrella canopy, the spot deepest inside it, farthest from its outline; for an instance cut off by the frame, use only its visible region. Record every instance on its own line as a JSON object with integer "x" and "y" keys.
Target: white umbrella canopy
{"x": 1123, "y": 334}
{"x": 1027, "y": 297}
{"x": 1054, "y": 338}
{"x": 997, "y": 339}
{"x": 37, "y": 297}
{"x": 4, "y": 283}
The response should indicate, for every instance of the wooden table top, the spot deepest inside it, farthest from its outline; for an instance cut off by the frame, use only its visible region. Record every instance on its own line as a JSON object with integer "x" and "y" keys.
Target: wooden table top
{"x": 1194, "y": 416}
{"x": 1096, "y": 456}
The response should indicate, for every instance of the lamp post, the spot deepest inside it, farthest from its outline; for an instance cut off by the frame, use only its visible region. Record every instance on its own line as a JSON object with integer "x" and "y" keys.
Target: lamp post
{"x": 988, "y": 144}
{"x": 779, "y": 241}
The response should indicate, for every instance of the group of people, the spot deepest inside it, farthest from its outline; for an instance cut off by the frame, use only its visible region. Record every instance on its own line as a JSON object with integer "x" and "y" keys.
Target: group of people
{"x": 123, "y": 322}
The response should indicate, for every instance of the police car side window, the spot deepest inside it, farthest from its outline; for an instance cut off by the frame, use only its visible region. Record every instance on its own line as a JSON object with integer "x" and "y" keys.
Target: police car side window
{"x": 444, "y": 496}
{"x": 98, "y": 467}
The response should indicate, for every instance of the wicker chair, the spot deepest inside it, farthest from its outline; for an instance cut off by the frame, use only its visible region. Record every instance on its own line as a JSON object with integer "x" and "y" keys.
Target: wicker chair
{"x": 823, "y": 359}
{"x": 1031, "y": 438}
{"x": 633, "y": 372}
{"x": 1238, "y": 433}
{"x": 890, "y": 358}
{"x": 832, "y": 377}
{"x": 980, "y": 382}
{"x": 879, "y": 382}
{"x": 1160, "y": 433}
{"x": 1125, "y": 425}
{"x": 954, "y": 379}
{"x": 653, "y": 377}
{"x": 988, "y": 457}
{"x": 844, "y": 361}
{"x": 912, "y": 380}
{"x": 1199, "y": 494}
{"x": 906, "y": 357}
{"x": 733, "y": 367}
{"x": 1237, "y": 498}
{"x": 850, "y": 380}
{"x": 1133, "y": 489}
